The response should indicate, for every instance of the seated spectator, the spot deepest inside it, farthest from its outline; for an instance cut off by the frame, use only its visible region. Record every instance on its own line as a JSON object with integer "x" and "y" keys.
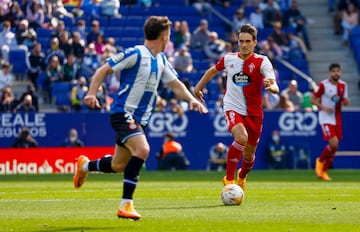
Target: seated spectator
{"x": 239, "y": 19}
{"x": 55, "y": 50}
{"x": 65, "y": 43}
{"x": 8, "y": 101}
{"x": 293, "y": 94}
{"x": 53, "y": 73}
{"x": 7, "y": 40}
{"x": 78, "y": 93}
{"x": 214, "y": 48}
{"x": 26, "y": 106}
{"x": 338, "y": 16}
{"x": 58, "y": 29}
{"x": 91, "y": 60}
{"x": 271, "y": 12}
{"x": 182, "y": 35}
{"x": 350, "y": 19}
{"x": 71, "y": 69}
{"x": 277, "y": 153}
{"x": 91, "y": 8}
{"x": 30, "y": 90}
{"x": 100, "y": 44}
{"x": 15, "y": 14}
{"x": 24, "y": 139}
{"x": 78, "y": 47}
{"x": 35, "y": 64}
{"x": 110, "y": 8}
{"x": 285, "y": 104}
{"x": 56, "y": 9}
{"x": 294, "y": 18}
{"x": 218, "y": 154}
{"x": 72, "y": 139}
{"x": 35, "y": 15}
{"x": 81, "y": 29}
{"x": 297, "y": 48}
{"x": 279, "y": 36}
{"x": 25, "y": 36}
{"x": 270, "y": 100}
{"x": 171, "y": 155}
{"x": 256, "y": 18}
{"x": 183, "y": 60}
{"x": 94, "y": 32}
{"x": 200, "y": 36}
{"x": 6, "y": 76}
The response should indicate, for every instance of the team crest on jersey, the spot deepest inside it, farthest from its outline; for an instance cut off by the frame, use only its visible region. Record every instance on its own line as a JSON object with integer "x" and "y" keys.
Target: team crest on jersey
{"x": 116, "y": 58}
{"x": 335, "y": 98}
{"x": 133, "y": 126}
{"x": 241, "y": 79}
{"x": 251, "y": 67}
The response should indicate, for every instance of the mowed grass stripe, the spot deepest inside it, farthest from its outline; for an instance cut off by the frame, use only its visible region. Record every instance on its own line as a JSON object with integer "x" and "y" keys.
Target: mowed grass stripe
{"x": 183, "y": 201}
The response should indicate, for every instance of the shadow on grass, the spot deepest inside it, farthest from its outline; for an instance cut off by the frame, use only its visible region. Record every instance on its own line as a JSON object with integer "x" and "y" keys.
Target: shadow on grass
{"x": 184, "y": 207}
{"x": 83, "y": 229}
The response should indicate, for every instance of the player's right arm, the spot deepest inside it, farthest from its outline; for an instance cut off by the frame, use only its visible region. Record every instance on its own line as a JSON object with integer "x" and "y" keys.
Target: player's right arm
{"x": 96, "y": 80}
{"x": 208, "y": 76}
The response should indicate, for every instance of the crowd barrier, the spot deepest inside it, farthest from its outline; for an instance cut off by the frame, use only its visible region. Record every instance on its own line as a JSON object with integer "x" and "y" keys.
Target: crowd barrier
{"x": 196, "y": 132}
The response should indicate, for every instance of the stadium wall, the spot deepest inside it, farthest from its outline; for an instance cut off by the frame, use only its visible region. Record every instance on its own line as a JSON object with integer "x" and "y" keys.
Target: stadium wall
{"x": 196, "y": 132}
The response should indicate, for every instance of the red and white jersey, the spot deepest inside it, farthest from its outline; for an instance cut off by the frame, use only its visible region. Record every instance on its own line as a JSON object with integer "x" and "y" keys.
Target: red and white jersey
{"x": 245, "y": 82}
{"x": 331, "y": 96}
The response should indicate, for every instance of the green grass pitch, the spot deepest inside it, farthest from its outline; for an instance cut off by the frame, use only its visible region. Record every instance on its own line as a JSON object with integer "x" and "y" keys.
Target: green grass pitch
{"x": 286, "y": 200}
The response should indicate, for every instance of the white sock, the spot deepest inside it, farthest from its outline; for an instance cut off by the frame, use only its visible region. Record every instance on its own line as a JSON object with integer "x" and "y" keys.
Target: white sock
{"x": 85, "y": 167}
{"x": 124, "y": 201}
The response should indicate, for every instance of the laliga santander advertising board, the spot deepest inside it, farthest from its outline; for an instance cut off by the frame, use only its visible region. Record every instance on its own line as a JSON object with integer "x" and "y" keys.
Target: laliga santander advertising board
{"x": 45, "y": 160}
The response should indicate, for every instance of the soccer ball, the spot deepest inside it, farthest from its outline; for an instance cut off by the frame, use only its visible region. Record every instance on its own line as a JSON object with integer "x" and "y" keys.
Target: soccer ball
{"x": 232, "y": 194}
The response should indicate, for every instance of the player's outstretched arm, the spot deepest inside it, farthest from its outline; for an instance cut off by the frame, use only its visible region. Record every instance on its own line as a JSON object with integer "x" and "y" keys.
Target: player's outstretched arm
{"x": 208, "y": 76}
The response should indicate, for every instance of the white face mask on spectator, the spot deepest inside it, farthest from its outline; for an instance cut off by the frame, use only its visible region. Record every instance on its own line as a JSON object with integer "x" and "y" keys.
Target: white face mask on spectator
{"x": 73, "y": 138}
{"x": 276, "y": 138}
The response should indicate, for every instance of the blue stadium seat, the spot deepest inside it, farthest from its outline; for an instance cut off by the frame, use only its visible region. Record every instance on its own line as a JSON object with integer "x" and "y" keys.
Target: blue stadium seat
{"x": 17, "y": 58}
{"x": 60, "y": 91}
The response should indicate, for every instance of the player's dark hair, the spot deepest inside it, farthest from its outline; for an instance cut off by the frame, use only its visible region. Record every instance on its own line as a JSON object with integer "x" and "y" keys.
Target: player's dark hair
{"x": 154, "y": 25}
{"x": 334, "y": 65}
{"x": 248, "y": 28}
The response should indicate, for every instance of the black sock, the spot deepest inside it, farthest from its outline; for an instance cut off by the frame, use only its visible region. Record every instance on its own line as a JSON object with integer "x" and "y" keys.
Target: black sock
{"x": 103, "y": 165}
{"x": 131, "y": 176}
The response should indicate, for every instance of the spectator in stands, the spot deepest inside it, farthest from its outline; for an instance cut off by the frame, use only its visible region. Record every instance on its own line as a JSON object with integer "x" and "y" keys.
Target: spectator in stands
{"x": 160, "y": 104}
{"x": 78, "y": 93}
{"x": 350, "y": 19}
{"x": 65, "y": 43}
{"x": 270, "y": 49}
{"x": 8, "y": 101}
{"x": 59, "y": 28}
{"x": 171, "y": 155}
{"x": 35, "y": 15}
{"x": 53, "y": 73}
{"x": 182, "y": 34}
{"x": 285, "y": 104}
{"x": 276, "y": 152}
{"x": 338, "y": 16}
{"x": 294, "y": 18}
{"x": 56, "y": 8}
{"x": 71, "y": 69}
{"x": 239, "y": 19}
{"x": 270, "y": 100}
{"x": 72, "y": 140}
{"x": 271, "y": 12}
{"x": 91, "y": 8}
{"x": 94, "y": 32}
{"x": 217, "y": 159}
{"x": 214, "y": 48}
{"x": 55, "y": 50}
{"x": 30, "y": 90}
{"x": 293, "y": 94}
{"x": 103, "y": 99}
{"x": 25, "y": 140}
{"x": 175, "y": 107}
{"x": 7, "y": 40}
{"x": 91, "y": 60}
{"x": 297, "y": 47}
{"x": 15, "y": 14}
{"x": 81, "y": 29}
{"x": 256, "y": 18}
{"x": 35, "y": 64}
{"x": 100, "y": 44}
{"x": 110, "y": 8}
{"x": 6, "y": 76}
{"x": 279, "y": 36}
{"x": 200, "y": 36}
{"x": 78, "y": 46}
{"x": 26, "y": 106}
{"x": 183, "y": 60}
{"x": 25, "y": 36}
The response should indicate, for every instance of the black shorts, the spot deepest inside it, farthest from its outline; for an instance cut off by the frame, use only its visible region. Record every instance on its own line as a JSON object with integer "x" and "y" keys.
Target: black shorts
{"x": 125, "y": 127}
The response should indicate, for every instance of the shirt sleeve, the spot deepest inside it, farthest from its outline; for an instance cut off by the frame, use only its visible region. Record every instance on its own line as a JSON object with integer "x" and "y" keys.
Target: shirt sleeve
{"x": 169, "y": 72}
{"x": 124, "y": 60}
{"x": 267, "y": 69}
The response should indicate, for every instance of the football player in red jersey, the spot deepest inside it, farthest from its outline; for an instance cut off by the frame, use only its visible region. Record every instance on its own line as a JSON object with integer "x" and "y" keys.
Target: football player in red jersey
{"x": 247, "y": 74}
{"x": 331, "y": 94}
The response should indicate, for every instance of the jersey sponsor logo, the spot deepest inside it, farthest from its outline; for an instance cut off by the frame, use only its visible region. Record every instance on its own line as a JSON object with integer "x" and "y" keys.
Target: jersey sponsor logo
{"x": 335, "y": 98}
{"x": 241, "y": 79}
{"x": 116, "y": 58}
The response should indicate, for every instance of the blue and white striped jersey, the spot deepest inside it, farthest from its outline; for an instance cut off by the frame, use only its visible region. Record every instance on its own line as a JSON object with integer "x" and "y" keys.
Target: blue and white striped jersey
{"x": 141, "y": 73}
